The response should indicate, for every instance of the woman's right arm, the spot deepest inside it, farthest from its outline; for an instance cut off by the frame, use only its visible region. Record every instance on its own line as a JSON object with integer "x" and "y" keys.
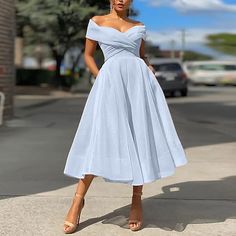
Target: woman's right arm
{"x": 90, "y": 47}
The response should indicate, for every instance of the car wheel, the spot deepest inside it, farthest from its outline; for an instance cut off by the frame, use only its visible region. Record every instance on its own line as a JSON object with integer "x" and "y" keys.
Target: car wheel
{"x": 172, "y": 93}
{"x": 184, "y": 92}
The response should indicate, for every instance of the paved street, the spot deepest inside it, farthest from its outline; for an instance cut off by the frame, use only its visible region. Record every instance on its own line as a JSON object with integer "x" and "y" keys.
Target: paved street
{"x": 200, "y": 199}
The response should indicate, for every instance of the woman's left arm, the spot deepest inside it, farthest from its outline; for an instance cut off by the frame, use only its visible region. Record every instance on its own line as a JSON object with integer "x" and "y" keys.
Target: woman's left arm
{"x": 144, "y": 57}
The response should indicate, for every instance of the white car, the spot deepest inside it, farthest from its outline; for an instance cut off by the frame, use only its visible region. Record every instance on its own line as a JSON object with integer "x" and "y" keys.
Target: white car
{"x": 211, "y": 72}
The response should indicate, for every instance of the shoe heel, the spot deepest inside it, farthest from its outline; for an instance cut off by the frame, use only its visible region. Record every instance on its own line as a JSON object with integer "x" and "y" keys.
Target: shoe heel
{"x": 70, "y": 224}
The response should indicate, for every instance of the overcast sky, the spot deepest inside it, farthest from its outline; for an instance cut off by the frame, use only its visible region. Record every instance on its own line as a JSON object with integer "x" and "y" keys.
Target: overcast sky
{"x": 165, "y": 19}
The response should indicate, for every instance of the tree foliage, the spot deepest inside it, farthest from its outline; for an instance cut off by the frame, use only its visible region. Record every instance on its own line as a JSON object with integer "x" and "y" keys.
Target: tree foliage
{"x": 57, "y": 23}
{"x": 223, "y": 42}
{"x": 195, "y": 56}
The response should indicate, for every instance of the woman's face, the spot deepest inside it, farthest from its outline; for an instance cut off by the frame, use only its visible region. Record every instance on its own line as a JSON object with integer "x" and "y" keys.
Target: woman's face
{"x": 121, "y": 5}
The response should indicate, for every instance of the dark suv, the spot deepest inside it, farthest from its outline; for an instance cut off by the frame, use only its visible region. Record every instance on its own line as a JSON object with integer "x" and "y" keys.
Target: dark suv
{"x": 170, "y": 75}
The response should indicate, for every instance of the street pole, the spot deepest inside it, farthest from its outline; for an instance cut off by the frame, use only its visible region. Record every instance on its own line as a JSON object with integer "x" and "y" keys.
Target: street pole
{"x": 172, "y": 42}
{"x": 183, "y": 35}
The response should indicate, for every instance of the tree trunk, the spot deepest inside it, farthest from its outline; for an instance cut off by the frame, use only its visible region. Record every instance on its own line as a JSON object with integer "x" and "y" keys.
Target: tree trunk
{"x": 58, "y": 77}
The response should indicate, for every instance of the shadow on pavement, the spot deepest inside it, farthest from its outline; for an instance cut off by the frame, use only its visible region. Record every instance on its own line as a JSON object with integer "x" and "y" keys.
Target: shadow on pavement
{"x": 171, "y": 212}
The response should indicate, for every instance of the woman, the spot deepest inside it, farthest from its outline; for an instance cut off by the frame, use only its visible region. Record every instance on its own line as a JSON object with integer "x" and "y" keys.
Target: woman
{"x": 126, "y": 133}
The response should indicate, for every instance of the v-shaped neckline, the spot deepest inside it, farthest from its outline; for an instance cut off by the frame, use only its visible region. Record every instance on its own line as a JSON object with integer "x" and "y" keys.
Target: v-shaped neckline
{"x": 103, "y": 26}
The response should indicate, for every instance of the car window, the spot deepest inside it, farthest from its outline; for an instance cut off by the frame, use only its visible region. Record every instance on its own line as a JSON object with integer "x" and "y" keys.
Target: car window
{"x": 211, "y": 67}
{"x": 230, "y": 67}
{"x": 167, "y": 67}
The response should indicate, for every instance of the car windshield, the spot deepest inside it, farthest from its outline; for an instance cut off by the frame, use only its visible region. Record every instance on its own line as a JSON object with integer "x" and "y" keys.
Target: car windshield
{"x": 170, "y": 67}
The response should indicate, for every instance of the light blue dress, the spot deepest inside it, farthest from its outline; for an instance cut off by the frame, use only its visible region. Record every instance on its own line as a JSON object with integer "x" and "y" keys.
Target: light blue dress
{"x": 126, "y": 133}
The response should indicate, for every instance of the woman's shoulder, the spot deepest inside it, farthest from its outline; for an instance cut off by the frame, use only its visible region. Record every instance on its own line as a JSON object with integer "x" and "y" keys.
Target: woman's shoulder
{"x": 98, "y": 18}
{"x": 136, "y": 22}
{"x": 101, "y": 18}
{"x": 95, "y": 18}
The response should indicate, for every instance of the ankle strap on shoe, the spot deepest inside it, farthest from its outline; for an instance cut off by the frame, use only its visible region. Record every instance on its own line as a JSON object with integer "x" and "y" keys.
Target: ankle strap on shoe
{"x": 137, "y": 193}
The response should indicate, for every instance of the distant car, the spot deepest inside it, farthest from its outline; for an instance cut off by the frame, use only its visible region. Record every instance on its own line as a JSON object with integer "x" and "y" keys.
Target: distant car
{"x": 211, "y": 72}
{"x": 170, "y": 75}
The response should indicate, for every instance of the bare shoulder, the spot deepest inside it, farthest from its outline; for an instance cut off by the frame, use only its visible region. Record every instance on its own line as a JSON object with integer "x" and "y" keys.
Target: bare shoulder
{"x": 99, "y": 19}
{"x": 135, "y": 22}
{"x": 96, "y": 18}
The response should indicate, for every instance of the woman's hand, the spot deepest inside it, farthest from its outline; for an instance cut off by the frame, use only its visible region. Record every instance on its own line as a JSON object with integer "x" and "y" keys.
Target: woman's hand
{"x": 144, "y": 57}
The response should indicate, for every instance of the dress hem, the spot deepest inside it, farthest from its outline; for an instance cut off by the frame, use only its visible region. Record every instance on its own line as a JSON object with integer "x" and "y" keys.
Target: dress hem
{"x": 127, "y": 181}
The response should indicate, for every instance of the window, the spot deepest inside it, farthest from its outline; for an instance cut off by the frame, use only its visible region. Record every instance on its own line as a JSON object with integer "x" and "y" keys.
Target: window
{"x": 167, "y": 67}
{"x": 211, "y": 67}
{"x": 230, "y": 67}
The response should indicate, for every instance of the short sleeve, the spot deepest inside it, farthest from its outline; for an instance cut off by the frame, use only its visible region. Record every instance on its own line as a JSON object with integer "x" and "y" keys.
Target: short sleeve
{"x": 92, "y": 31}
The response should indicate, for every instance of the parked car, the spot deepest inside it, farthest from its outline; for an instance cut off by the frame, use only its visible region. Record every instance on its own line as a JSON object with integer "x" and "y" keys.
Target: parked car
{"x": 170, "y": 75}
{"x": 211, "y": 72}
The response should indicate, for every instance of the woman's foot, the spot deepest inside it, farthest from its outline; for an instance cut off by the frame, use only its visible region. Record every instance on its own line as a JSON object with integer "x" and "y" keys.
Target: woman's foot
{"x": 135, "y": 219}
{"x": 73, "y": 215}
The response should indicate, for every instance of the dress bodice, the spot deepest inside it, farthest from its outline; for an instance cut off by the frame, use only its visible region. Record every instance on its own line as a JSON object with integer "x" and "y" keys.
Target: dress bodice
{"x": 114, "y": 42}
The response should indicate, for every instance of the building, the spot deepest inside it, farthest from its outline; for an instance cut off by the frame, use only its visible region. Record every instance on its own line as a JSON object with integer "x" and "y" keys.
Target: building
{"x": 170, "y": 53}
{"x": 7, "y": 68}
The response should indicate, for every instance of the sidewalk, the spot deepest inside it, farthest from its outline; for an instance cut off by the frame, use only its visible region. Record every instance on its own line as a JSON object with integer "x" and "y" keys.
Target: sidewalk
{"x": 200, "y": 199}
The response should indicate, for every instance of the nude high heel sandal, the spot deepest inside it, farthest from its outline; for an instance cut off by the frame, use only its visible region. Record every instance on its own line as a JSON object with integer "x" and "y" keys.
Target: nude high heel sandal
{"x": 137, "y": 222}
{"x": 73, "y": 226}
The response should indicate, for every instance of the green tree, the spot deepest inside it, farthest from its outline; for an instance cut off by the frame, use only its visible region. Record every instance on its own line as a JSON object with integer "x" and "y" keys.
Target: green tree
{"x": 60, "y": 24}
{"x": 195, "y": 56}
{"x": 223, "y": 42}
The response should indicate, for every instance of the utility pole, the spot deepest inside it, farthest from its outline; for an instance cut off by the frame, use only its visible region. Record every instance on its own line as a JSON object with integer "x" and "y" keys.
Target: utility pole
{"x": 172, "y": 43}
{"x": 183, "y": 36}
